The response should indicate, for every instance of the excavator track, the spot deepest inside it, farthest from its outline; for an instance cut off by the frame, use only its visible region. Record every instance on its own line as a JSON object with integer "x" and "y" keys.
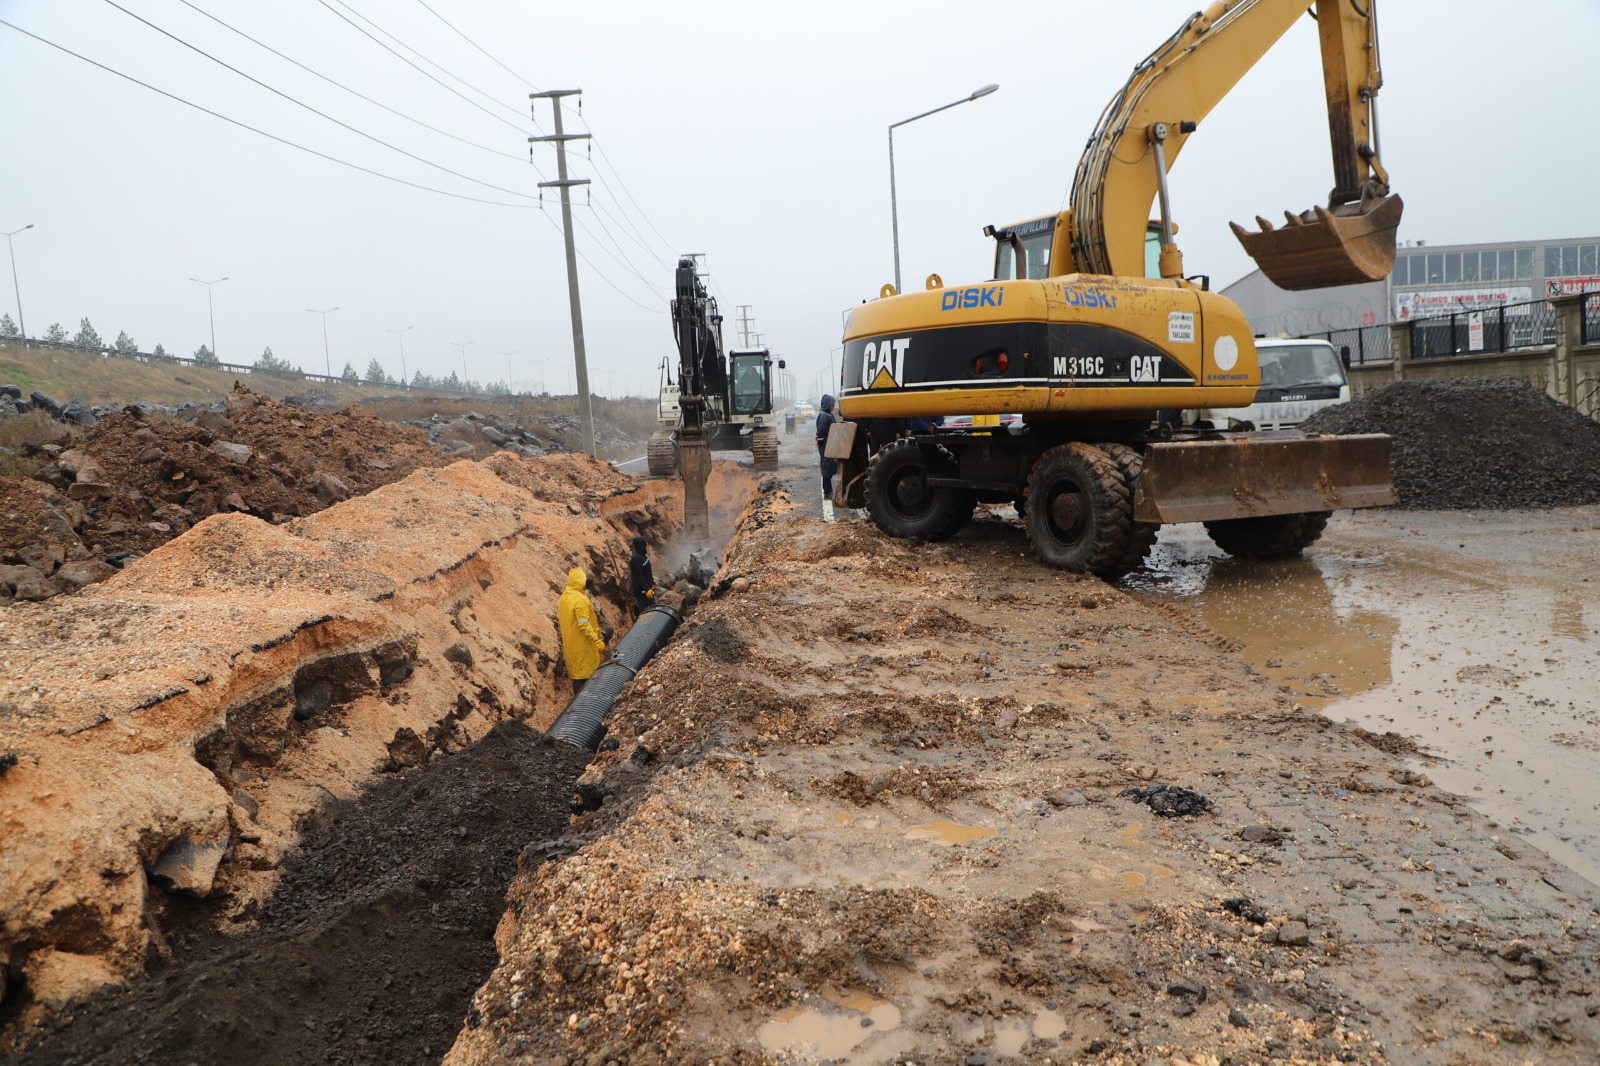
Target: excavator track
{"x": 661, "y": 454}
{"x": 764, "y": 447}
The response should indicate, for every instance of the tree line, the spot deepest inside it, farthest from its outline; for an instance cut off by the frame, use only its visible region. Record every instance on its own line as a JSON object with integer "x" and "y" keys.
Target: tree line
{"x": 88, "y": 337}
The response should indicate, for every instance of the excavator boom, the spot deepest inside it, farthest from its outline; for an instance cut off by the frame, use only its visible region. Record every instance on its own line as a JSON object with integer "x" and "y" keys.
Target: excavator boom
{"x": 1123, "y": 170}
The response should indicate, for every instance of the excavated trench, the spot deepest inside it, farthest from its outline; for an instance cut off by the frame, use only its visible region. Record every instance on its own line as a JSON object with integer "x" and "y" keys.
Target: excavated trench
{"x": 356, "y": 779}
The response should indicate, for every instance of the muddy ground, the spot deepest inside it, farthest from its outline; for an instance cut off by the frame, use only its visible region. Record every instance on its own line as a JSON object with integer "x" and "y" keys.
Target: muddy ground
{"x": 869, "y": 806}
{"x": 872, "y": 805}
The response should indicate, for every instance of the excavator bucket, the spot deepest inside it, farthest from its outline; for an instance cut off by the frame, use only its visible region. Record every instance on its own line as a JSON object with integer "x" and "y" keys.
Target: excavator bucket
{"x": 1247, "y": 477}
{"x": 1346, "y": 246}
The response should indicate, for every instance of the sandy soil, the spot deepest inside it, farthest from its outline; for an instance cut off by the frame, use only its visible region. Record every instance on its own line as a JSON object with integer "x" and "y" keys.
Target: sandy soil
{"x": 166, "y": 734}
{"x": 872, "y": 805}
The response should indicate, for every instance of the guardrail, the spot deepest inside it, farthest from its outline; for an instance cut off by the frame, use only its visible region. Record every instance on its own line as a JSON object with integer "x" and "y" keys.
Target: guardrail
{"x": 237, "y": 368}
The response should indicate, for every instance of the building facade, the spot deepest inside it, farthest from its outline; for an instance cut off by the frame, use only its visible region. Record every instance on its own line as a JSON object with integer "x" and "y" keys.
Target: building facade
{"x": 1430, "y": 281}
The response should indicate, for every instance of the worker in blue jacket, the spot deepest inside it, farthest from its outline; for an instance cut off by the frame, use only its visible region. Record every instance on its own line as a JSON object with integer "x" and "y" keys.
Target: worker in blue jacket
{"x": 830, "y": 467}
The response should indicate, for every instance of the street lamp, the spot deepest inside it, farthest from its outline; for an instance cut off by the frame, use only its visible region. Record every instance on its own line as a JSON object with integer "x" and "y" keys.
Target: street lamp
{"x": 326, "y": 362}
{"x": 894, "y": 211}
{"x": 463, "y": 346}
{"x": 401, "y": 334}
{"x": 211, "y": 309}
{"x": 15, "y": 285}
{"x": 509, "y": 390}
{"x": 541, "y": 363}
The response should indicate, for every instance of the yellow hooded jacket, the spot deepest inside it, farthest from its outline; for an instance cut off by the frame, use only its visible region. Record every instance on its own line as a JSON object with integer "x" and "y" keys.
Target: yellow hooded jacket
{"x": 580, "y": 629}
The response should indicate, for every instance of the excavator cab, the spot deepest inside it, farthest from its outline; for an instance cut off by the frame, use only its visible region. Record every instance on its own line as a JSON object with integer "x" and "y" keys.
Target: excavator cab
{"x": 1023, "y": 250}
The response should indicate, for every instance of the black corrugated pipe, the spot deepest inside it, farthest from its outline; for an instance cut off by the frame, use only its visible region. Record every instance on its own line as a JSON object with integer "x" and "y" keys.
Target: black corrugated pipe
{"x": 583, "y": 722}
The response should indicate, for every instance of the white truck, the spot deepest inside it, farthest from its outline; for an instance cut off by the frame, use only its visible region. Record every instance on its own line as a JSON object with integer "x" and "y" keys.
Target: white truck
{"x": 1298, "y": 379}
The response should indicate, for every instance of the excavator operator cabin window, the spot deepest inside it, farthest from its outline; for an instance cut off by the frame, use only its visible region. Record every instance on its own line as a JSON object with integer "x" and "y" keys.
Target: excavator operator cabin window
{"x": 1019, "y": 256}
{"x": 1152, "y": 253}
{"x": 749, "y": 385}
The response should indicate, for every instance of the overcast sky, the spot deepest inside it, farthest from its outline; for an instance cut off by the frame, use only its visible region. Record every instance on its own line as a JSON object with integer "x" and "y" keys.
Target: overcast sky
{"x": 753, "y": 132}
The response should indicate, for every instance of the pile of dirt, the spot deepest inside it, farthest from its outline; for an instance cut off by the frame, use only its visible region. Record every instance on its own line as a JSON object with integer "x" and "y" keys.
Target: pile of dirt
{"x": 134, "y": 481}
{"x": 166, "y": 732}
{"x": 1491, "y": 443}
{"x": 380, "y": 931}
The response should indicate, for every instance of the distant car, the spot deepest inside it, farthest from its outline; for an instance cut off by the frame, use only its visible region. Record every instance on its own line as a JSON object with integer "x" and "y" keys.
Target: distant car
{"x": 804, "y": 412}
{"x": 1298, "y": 379}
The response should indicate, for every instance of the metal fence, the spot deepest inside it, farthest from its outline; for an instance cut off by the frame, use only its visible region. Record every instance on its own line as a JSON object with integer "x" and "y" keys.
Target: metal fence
{"x": 1359, "y": 346}
{"x": 1493, "y": 329}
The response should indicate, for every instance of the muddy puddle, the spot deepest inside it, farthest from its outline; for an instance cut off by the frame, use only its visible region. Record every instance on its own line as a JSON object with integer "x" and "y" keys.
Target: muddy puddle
{"x": 1476, "y": 634}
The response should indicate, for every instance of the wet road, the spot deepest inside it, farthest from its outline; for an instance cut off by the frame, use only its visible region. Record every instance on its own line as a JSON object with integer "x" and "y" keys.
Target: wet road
{"x": 1477, "y": 634}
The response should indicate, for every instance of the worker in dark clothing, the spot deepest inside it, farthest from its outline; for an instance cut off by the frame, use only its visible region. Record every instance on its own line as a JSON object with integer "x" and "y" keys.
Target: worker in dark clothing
{"x": 830, "y": 467}
{"x": 644, "y": 578}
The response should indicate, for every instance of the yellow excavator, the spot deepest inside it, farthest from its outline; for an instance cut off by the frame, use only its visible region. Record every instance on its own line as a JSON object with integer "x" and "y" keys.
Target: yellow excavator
{"x": 1091, "y": 332}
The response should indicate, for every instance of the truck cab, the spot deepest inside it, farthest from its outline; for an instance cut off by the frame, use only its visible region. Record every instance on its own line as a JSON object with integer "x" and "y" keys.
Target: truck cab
{"x": 1298, "y": 379}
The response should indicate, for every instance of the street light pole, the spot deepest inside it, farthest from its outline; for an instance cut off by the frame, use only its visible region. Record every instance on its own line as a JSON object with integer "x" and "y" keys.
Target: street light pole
{"x": 463, "y": 346}
{"x": 405, "y": 382}
{"x": 16, "y": 286}
{"x": 327, "y": 363}
{"x": 541, "y": 363}
{"x": 509, "y": 390}
{"x": 894, "y": 208}
{"x": 211, "y": 309}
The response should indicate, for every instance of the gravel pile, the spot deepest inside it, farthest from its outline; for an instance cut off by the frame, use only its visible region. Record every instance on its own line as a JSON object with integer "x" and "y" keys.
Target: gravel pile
{"x": 1477, "y": 443}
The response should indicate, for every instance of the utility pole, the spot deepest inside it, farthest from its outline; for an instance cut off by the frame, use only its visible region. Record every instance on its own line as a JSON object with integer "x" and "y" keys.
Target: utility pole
{"x": 585, "y": 403}
{"x": 744, "y": 325}
{"x": 463, "y": 345}
{"x": 211, "y": 310}
{"x": 401, "y": 334}
{"x": 509, "y": 390}
{"x": 326, "y": 362}
{"x": 22, "y": 323}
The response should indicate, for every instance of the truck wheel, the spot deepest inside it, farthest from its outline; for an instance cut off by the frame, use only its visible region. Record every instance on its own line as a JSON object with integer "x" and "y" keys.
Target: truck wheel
{"x": 1080, "y": 509}
{"x": 661, "y": 455}
{"x": 764, "y": 447}
{"x": 1277, "y": 536}
{"x": 1141, "y": 535}
{"x": 901, "y": 502}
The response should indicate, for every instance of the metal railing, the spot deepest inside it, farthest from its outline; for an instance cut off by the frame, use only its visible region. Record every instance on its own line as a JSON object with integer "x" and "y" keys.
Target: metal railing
{"x": 1493, "y": 329}
{"x": 293, "y": 373}
{"x": 1359, "y": 346}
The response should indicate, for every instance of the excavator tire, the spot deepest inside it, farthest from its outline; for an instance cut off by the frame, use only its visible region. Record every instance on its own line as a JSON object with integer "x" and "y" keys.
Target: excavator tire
{"x": 1080, "y": 511}
{"x": 1141, "y": 535}
{"x": 661, "y": 455}
{"x": 764, "y": 447}
{"x": 1277, "y": 536}
{"x": 903, "y": 505}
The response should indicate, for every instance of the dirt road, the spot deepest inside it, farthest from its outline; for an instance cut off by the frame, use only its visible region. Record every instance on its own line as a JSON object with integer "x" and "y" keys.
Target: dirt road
{"x": 873, "y": 805}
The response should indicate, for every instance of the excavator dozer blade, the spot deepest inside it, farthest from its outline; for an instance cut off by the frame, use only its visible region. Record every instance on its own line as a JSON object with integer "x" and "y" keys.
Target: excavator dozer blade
{"x": 1321, "y": 248}
{"x": 1247, "y": 477}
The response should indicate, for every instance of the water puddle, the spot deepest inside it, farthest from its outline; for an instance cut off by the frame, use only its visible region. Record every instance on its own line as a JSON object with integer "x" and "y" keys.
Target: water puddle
{"x": 948, "y": 834}
{"x": 1009, "y": 1036}
{"x": 832, "y": 1030}
{"x": 1477, "y": 634}
{"x": 1049, "y": 1025}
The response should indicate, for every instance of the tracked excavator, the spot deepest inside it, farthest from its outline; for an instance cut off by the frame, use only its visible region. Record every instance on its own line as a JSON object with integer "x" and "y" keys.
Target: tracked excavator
{"x": 1091, "y": 331}
{"x": 718, "y": 402}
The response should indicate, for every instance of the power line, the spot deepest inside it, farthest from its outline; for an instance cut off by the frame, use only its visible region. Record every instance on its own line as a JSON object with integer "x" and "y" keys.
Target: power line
{"x": 314, "y": 111}
{"x": 419, "y": 70}
{"x": 253, "y": 129}
{"x": 479, "y": 47}
{"x": 346, "y": 88}
{"x": 493, "y": 99}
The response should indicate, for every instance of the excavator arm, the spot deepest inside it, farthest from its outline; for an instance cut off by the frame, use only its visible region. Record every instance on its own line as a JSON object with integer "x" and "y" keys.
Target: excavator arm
{"x": 1124, "y": 167}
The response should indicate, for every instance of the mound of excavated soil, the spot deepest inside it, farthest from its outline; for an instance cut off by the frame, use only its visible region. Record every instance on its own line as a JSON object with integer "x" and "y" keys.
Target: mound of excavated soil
{"x": 1477, "y": 443}
{"x": 132, "y": 482}
{"x": 379, "y": 933}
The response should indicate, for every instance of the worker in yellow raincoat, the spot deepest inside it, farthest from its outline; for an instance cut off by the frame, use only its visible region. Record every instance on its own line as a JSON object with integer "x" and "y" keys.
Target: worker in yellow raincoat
{"x": 581, "y": 641}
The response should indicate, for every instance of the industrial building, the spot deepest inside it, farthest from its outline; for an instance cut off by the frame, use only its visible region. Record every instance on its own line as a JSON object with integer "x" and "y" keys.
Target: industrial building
{"x": 1433, "y": 280}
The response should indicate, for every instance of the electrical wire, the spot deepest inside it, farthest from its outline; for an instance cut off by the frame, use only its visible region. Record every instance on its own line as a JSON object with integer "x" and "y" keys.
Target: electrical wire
{"x": 476, "y": 45}
{"x": 253, "y": 129}
{"x": 356, "y": 93}
{"x": 314, "y": 111}
{"x": 419, "y": 70}
{"x": 493, "y": 99}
